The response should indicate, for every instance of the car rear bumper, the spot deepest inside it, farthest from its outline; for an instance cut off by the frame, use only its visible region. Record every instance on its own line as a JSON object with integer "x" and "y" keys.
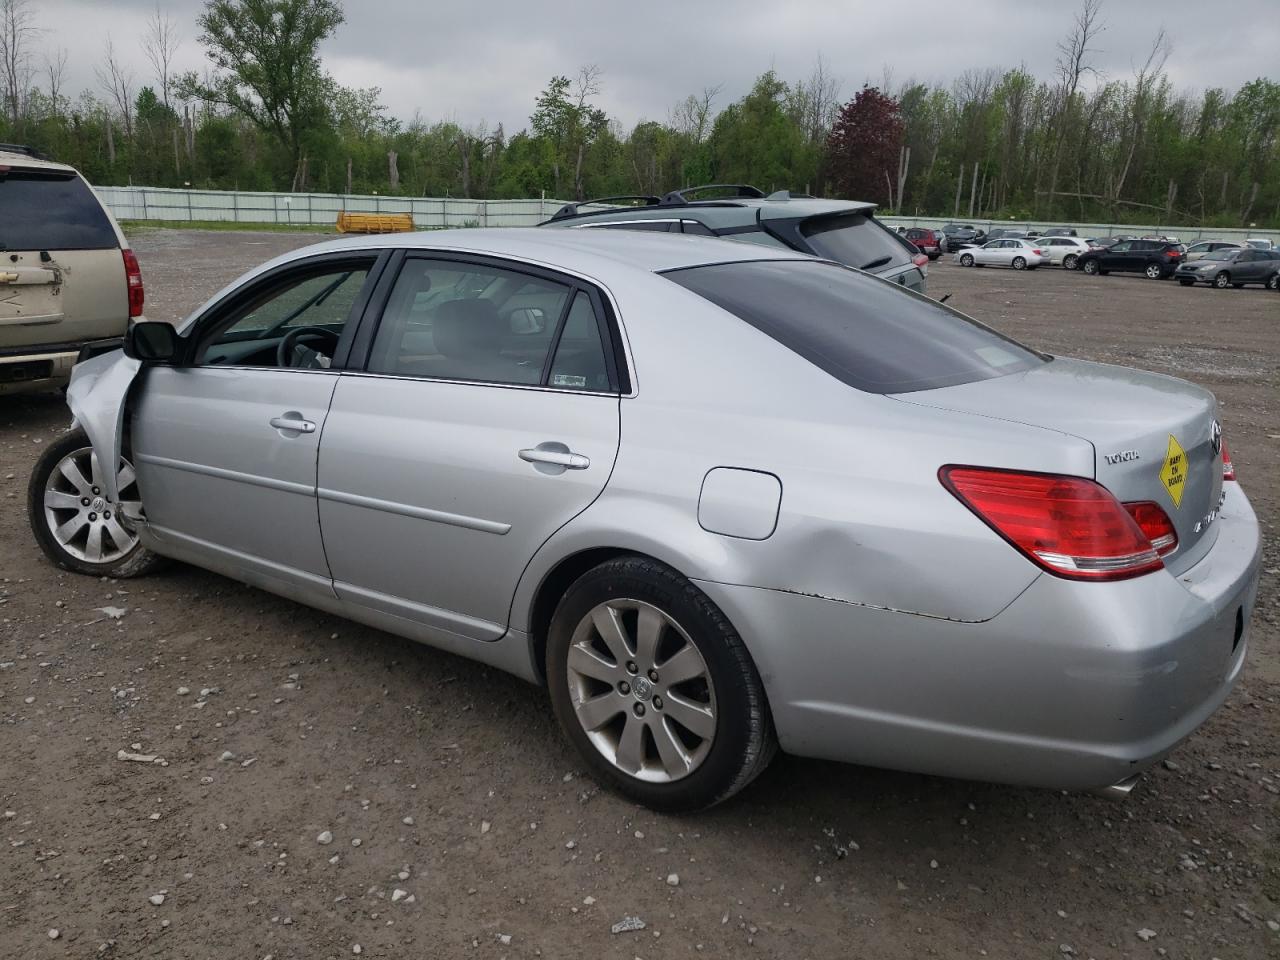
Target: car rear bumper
{"x": 1072, "y": 686}
{"x": 47, "y": 366}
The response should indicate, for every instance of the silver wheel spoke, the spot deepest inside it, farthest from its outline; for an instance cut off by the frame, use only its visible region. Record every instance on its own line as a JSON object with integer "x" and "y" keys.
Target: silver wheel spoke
{"x": 649, "y": 625}
{"x": 119, "y": 535}
{"x": 93, "y": 546}
{"x": 71, "y": 470}
{"x": 588, "y": 663}
{"x": 609, "y": 625}
{"x": 70, "y": 528}
{"x": 94, "y": 471}
{"x": 685, "y": 665}
{"x": 631, "y": 745}
{"x": 595, "y": 713}
{"x": 694, "y": 717}
{"x": 674, "y": 758}
{"x": 58, "y": 500}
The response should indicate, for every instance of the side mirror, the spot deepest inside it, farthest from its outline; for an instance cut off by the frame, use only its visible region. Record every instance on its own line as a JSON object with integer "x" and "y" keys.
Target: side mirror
{"x": 527, "y": 321}
{"x": 152, "y": 341}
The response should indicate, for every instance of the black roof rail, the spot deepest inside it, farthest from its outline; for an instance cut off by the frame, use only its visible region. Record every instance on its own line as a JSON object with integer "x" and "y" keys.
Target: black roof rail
{"x": 22, "y": 148}
{"x": 571, "y": 209}
{"x": 677, "y": 197}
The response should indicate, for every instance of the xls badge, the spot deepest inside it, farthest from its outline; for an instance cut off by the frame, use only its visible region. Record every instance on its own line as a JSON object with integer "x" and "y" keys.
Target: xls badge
{"x": 1173, "y": 472}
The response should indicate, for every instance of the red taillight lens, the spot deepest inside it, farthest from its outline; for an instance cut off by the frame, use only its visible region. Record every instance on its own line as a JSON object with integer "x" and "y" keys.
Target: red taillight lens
{"x": 1036, "y": 251}
{"x": 920, "y": 260}
{"x": 133, "y": 276}
{"x": 1228, "y": 468}
{"x": 1155, "y": 526}
{"x": 1070, "y": 526}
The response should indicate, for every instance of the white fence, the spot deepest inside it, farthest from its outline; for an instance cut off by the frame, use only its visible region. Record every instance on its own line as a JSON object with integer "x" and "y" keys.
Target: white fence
{"x": 322, "y": 209}
{"x": 317, "y": 209}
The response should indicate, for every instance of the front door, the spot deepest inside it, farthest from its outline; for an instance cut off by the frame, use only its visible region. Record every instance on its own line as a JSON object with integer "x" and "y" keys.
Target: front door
{"x": 486, "y": 418}
{"x": 225, "y": 443}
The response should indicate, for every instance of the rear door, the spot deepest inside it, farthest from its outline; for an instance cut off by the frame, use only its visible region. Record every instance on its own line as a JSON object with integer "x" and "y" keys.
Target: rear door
{"x": 476, "y": 429}
{"x": 62, "y": 278}
{"x": 1249, "y": 266}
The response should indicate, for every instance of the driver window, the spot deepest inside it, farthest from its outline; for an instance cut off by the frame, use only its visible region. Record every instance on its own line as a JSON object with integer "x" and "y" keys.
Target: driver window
{"x": 294, "y": 324}
{"x": 450, "y": 320}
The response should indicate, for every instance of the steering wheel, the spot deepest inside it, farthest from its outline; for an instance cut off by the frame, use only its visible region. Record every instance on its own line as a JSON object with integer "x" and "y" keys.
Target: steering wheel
{"x": 285, "y": 348}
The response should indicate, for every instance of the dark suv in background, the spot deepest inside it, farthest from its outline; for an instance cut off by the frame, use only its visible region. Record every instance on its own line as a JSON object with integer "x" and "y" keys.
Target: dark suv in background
{"x": 842, "y": 230}
{"x": 1156, "y": 259}
{"x": 957, "y": 235}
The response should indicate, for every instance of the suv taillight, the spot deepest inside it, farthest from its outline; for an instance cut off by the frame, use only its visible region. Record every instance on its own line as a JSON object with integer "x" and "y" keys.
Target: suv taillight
{"x": 920, "y": 260}
{"x": 133, "y": 277}
{"x": 1228, "y": 468}
{"x": 1069, "y": 526}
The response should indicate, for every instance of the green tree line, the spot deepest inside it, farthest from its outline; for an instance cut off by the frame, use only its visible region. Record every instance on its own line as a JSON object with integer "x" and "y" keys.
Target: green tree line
{"x": 991, "y": 143}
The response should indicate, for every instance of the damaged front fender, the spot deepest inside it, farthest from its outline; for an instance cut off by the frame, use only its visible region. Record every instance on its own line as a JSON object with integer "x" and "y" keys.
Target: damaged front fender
{"x": 97, "y": 395}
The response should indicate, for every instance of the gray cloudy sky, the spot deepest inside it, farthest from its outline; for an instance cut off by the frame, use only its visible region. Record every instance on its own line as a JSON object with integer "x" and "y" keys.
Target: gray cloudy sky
{"x": 487, "y": 60}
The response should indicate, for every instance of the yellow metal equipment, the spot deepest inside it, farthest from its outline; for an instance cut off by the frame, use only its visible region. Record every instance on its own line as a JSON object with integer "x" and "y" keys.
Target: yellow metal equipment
{"x": 375, "y": 222}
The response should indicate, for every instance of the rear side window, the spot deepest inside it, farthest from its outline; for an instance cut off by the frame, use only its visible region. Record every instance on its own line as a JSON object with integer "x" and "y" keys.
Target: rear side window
{"x": 41, "y": 211}
{"x": 855, "y": 239}
{"x": 865, "y": 332}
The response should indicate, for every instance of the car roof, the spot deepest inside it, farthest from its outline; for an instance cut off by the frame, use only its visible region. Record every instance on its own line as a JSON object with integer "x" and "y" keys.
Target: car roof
{"x": 12, "y": 158}
{"x": 595, "y": 253}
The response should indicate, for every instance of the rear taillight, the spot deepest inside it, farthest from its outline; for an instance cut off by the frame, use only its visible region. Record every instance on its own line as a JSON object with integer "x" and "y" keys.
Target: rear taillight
{"x": 1069, "y": 526}
{"x": 133, "y": 276}
{"x": 1036, "y": 251}
{"x": 1228, "y": 468}
{"x": 920, "y": 260}
{"x": 1155, "y": 525}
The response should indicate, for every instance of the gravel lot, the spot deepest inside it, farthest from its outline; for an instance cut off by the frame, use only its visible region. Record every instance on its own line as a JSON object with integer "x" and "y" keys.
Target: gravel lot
{"x": 450, "y": 782}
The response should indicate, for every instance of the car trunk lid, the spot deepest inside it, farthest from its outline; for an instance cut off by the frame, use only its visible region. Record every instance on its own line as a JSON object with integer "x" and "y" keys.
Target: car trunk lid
{"x": 1155, "y": 438}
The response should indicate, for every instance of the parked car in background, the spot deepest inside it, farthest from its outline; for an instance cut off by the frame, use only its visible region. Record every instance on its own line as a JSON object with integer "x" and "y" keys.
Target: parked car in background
{"x": 68, "y": 280}
{"x": 1103, "y": 242}
{"x": 527, "y": 448}
{"x": 1007, "y": 233}
{"x": 1198, "y": 249}
{"x": 1060, "y": 232}
{"x": 1259, "y": 243}
{"x": 1155, "y": 259}
{"x": 1019, "y": 254}
{"x": 958, "y": 235}
{"x": 929, "y": 242}
{"x": 842, "y": 230}
{"x": 1231, "y": 268}
{"x": 1062, "y": 251}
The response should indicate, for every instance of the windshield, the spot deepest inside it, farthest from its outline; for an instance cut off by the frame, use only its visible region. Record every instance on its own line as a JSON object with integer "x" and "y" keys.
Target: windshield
{"x": 855, "y": 239}
{"x": 866, "y": 332}
{"x": 41, "y": 211}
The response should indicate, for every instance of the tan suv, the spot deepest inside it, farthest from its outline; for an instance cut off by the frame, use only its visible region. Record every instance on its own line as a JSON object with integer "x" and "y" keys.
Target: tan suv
{"x": 68, "y": 281}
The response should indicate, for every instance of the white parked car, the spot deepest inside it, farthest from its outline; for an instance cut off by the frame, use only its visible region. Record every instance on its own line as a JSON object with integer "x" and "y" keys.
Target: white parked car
{"x": 1019, "y": 254}
{"x": 1259, "y": 243}
{"x": 1062, "y": 251}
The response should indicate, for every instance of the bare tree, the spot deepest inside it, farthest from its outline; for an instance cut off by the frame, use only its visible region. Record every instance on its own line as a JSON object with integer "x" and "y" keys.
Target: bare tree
{"x": 118, "y": 81}
{"x": 586, "y": 85}
{"x": 1074, "y": 62}
{"x": 160, "y": 45}
{"x": 55, "y": 68}
{"x": 816, "y": 101}
{"x": 1145, "y": 81}
{"x": 692, "y": 115}
{"x": 17, "y": 30}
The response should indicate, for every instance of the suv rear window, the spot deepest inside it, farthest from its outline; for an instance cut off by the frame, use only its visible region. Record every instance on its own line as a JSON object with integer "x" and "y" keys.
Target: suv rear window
{"x": 855, "y": 239}
{"x": 41, "y": 211}
{"x": 866, "y": 332}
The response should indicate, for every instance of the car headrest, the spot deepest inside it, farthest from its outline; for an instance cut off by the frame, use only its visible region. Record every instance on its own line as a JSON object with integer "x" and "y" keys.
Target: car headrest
{"x": 467, "y": 329}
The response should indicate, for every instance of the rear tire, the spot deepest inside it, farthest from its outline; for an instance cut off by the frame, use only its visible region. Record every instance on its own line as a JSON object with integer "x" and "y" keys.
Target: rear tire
{"x": 966, "y": 260}
{"x": 1154, "y": 271}
{"x": 75, "y": 526}
{"x": 612, "y": 708}
{"x": 1070, "y": 261}
{"x": 1274, "y": 282}
{"x": 1019, "y": 263}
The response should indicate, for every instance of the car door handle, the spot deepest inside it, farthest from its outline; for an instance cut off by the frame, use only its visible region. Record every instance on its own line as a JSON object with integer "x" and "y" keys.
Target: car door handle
{"x": 570, "y": 461}
{"x": 289, "y": 423}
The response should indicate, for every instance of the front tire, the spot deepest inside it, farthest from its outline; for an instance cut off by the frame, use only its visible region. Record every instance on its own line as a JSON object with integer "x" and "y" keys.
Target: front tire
{"x": 1222, "y": 280}
{"x": 1091, "y": 268}
{"x": 1274, "y": 282}
{"x": 966, "y": 260}
{"x": 75, "y": 525}
{"x": 655, "y": 689}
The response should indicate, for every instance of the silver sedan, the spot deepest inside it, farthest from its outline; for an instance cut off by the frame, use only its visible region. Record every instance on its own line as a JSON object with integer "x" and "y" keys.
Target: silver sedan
{"x": 717, "y": 499}
{"x": 1016, "y": 253}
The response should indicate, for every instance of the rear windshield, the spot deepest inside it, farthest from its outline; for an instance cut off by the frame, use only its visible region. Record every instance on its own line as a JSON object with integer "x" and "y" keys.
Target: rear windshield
{"x": 51, "y": 212}
{"x": 855, "y": 239}
{"x": 868, "y": 333}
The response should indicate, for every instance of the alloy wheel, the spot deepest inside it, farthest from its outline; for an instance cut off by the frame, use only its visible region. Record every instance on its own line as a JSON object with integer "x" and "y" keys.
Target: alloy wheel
{"x": 1153, "y": 271}
{"x": 1019, "y": 263}
{"x": 966, "y": 260}
{"x": 83, "y": 521}
{"x": 1091, "y": 267}
{"x": 1222, "y": 280}
{"x": 1069, "y": 262}
{"x": 641, "y": 690}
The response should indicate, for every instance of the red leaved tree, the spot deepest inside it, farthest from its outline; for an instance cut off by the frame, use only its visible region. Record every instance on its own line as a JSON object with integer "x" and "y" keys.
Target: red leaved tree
{"x": 862, "y": 150}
